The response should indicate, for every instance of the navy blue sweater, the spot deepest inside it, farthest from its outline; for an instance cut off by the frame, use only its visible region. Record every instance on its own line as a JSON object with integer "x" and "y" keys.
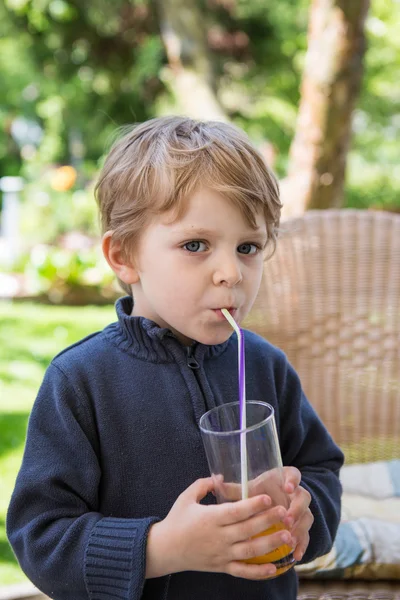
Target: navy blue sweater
{"x": 113, "y": 439}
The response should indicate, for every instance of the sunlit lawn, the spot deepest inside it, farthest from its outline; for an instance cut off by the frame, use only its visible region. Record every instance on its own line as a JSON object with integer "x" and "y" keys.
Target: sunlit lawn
{"x": 30, "y": 335}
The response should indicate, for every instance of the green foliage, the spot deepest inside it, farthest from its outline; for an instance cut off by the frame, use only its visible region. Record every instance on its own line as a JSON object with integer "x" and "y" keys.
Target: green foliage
{"x": 79, "y": 70}
{"x": 30, "y": 335}
{"x": 61, "y": 259}
{"x": 373, "y": 171}
{"x": 47, "y": 214}
{"x": 372, "y": 184}
{"x": 63, "y": 275}
{"x": 89, "y": 66}
{"x": 92, "y": 66}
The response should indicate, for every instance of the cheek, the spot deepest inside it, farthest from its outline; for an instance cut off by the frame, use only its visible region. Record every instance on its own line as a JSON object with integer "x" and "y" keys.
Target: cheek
{"x": 183, "y": 291}
{"x": 253, "y": 274}
{"x": 157, "y": 271}
{"x": 183, "y": 297}
{"x": 259, "y": 277}
{"x": 253, "y": 281}
{"x": 172, "y": 282}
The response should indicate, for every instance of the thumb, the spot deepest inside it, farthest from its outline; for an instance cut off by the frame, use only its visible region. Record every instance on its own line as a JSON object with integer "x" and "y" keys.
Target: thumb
{"x": 199, "y": 489}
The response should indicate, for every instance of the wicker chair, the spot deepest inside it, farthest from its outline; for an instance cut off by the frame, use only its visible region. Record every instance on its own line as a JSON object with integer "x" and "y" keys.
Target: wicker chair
{"x": 330, "y": 298}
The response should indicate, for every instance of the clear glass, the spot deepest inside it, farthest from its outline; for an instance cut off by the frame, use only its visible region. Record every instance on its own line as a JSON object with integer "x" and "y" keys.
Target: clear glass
{"x": 222, "y": 438}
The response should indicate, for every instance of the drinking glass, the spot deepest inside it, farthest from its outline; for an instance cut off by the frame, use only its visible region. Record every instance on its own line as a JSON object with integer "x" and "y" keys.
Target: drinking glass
{"x": 224, "y": 442}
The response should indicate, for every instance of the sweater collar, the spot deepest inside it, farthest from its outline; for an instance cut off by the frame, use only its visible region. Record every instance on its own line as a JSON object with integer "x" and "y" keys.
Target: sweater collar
{"x": 146, "y": 340}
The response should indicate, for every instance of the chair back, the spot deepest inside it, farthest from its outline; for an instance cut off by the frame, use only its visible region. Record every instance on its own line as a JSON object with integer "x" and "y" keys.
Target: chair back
{"x": 330, "y": 298}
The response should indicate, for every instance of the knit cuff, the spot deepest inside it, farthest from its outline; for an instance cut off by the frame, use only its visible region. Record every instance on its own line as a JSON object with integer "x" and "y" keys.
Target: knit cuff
{"x": 115, "y": 560}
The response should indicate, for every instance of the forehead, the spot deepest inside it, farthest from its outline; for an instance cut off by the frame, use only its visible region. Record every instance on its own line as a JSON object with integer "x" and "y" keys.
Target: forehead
{"x": 207, "y": 208}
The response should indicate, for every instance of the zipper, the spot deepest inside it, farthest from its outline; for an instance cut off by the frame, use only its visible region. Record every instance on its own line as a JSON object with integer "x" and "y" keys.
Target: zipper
{"x": 191, "y": 361}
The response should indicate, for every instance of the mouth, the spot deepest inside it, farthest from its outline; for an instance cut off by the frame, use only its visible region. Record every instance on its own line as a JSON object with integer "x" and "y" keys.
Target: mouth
{"x": 231, "y": 309}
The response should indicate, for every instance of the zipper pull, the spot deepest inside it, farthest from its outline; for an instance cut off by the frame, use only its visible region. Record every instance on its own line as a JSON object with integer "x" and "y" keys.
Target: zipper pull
{"x": 191, "y": 361}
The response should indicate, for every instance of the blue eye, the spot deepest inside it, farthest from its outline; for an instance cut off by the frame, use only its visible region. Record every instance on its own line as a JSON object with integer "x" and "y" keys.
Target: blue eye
{"x": 248, "y": 249}
{"x": 195, "y": 246}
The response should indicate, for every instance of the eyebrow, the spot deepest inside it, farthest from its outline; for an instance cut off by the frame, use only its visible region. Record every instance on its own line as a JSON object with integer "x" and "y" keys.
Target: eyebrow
{"x": 256, "y": 234}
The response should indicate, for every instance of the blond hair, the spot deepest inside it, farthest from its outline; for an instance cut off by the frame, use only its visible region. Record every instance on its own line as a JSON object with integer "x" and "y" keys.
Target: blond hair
{"x": 157, "y": 165}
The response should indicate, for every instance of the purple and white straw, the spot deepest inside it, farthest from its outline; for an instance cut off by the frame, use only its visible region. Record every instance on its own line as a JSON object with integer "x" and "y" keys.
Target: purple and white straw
{"x": 242, "y": 402}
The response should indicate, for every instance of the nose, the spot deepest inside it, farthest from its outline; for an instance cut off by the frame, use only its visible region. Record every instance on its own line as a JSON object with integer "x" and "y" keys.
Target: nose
{"x": 227, "y": 271}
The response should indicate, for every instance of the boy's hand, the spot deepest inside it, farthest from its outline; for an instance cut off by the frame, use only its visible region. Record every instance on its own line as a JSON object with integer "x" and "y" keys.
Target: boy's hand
{"x": 299, "y": 518}
{"x": 214, "y": 538}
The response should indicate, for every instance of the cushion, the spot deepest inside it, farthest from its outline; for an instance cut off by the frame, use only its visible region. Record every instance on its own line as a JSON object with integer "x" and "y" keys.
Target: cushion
{"x": 367, "y": 545}
{"x": 376, "y": 480}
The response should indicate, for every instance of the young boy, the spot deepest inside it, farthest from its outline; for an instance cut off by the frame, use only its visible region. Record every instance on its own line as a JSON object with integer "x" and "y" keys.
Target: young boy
{"x": 113, "y": 497}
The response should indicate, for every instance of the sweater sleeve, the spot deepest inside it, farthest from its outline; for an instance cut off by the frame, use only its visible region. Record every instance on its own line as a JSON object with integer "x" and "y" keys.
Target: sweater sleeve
{"x": 307, "y": 445}
{"x": 63, "y": 543}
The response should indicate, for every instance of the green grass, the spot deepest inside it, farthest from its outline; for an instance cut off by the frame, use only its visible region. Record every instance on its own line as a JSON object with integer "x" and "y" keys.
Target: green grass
{"x": 30, "y": 335}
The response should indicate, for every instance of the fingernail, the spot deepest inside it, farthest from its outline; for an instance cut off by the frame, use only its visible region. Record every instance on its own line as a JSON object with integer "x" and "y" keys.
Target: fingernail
{"x": 280, "y": 513}
{"x": 271, "y": 568}
{"x": 267, "y": 500}
{"x": 290, "y": 487}
{"x": 285, "y": 537}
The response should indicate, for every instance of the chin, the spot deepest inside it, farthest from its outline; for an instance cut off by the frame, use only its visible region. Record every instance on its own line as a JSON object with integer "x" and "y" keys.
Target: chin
{"x": 213, "y": 339}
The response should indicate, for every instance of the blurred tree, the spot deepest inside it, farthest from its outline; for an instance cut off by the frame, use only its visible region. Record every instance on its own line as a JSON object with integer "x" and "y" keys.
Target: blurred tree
{"x": 192, "y": 75}
{"x": 329, "y": 91}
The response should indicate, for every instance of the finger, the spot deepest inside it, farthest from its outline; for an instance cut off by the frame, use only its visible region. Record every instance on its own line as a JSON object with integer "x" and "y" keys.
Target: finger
{"x": 268, "y": 480}
{"x": 234, "y": 512}
{"x": 292, "y": 479}
{"x": 231, "y": 492}
{"x": 198, "y": 490}
{"x": 254, "y": 572}
{"x": 218, "y": 482}
{"x": 256, "y": 525}
{"x": 260, "y": 545}
{"x": 300, "y": 549}
{"x": 299, "y": 505}
{"x": 300, "y": 532}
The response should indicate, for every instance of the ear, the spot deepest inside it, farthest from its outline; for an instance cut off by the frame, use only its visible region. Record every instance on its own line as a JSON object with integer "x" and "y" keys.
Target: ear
{"x": 124, "y": 269}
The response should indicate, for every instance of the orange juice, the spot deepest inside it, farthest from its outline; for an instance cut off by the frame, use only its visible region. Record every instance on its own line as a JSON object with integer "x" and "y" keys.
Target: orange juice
{"x": 281, "y": 557}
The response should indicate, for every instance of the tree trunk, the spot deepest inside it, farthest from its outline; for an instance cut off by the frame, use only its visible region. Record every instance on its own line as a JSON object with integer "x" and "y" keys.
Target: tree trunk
{"x": 329, "y": 90}
{"x": 190, "y": 74}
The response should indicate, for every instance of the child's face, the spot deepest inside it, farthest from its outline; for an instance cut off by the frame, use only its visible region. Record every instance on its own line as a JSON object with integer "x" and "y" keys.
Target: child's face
{"x": 189, "y": 269}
